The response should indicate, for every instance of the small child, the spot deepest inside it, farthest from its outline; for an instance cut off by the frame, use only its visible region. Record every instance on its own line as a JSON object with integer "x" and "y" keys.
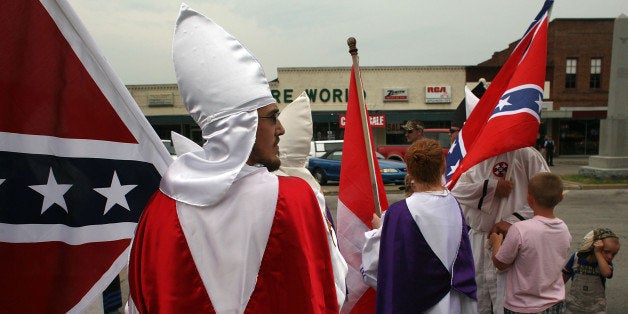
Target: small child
{"x": 534, "y": 251}
{"x": 589, "y": 272}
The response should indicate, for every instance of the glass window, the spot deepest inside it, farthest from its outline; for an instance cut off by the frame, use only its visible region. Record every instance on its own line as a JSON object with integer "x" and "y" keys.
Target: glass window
{"x": 570, "y": 72}
{"x": 579, "y": 137}
{"x": 596, "y": 70}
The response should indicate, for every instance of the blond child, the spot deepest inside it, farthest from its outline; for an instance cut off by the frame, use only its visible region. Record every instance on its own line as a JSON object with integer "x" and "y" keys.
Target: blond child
{"x": 588, "y": 269}
{"x": 534, "y": 250}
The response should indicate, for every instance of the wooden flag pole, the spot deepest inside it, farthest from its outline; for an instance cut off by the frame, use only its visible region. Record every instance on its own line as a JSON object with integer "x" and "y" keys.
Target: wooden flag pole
{"x": 353, "y": 50}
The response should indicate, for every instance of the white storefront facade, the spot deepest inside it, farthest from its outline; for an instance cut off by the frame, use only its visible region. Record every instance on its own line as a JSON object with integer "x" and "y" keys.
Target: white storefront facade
{"x": 393, "y": 95}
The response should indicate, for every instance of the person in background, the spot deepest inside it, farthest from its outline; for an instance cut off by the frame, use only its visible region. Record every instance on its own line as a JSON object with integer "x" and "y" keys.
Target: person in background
{"x": 588, "y": 270}
{"x": 420, "y": 258}
{"x": 548, "y": 145}
{"x": 414, "y": 130}
{"x": 535, "y": 251}
{"x": 223, "y": 234}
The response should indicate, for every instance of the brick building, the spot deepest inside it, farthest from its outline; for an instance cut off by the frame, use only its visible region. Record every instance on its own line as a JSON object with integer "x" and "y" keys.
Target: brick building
{"x": 578, "y": 75}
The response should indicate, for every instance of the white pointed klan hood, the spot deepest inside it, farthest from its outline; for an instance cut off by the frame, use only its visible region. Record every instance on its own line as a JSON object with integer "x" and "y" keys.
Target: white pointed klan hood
{"x": 183, "y": 145}
{"x": 470, "y": 100}
{"x": 294, "y": 147}
{"x": 222, "y": 85}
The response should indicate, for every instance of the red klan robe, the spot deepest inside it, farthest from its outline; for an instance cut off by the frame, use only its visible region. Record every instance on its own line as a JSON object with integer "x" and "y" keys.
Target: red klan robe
{"x": 168, "y": 274}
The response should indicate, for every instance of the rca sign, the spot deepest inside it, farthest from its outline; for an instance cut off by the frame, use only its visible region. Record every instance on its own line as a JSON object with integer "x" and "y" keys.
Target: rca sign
{"x": 377, "y": 121}
{"x": 437, "y": 94}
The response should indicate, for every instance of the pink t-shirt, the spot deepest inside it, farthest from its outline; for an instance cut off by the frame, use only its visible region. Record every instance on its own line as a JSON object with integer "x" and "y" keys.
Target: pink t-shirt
{"x": 537, "y": 249}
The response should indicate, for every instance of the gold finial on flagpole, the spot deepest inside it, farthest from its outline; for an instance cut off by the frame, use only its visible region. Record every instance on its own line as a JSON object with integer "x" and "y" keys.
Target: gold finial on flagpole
{"x": 353, "y": 50}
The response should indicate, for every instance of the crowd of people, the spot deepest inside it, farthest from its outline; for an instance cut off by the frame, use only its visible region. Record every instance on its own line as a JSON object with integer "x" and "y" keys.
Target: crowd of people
{"x": 226, "y": 234}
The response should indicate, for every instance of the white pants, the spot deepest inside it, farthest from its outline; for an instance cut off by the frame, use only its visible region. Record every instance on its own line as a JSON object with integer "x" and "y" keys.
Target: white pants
{"x": 491, "y": 282}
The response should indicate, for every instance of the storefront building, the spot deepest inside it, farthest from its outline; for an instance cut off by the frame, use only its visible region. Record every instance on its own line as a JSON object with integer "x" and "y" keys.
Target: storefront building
{"x": 393, "y": 95}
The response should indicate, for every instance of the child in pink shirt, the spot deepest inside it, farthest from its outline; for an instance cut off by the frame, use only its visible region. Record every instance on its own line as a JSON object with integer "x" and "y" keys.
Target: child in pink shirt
{"x": 534, "y": 251}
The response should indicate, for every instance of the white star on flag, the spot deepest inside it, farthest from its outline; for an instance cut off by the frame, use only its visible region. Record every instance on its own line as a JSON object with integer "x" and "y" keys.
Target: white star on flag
{"x": 453, "y": 146}
{"x": 52, "y": 192}
{"x": 1, "y": 181}
{"x": 503, "y": 103}
{"x": 540, "y": 103}
{"x": 454, "y": 167}
{"x": 115, "y": 193}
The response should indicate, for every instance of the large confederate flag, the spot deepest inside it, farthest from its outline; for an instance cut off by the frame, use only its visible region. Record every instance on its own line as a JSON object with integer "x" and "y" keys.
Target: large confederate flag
{"x": 508, "y": 115}
{"x": 78, "y": 162}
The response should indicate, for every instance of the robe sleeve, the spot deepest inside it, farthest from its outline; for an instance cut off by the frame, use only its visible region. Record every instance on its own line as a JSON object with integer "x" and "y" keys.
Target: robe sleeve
{"x": 475, "y": 189}
{"x": 370, "y": 257}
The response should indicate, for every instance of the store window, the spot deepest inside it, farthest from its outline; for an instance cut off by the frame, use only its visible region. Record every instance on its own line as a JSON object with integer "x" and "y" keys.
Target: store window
{"x": 326, "y": 127}
{"x": 579, "y": 137}
{"x": 570, "y": 72}
{"x": 596, "y": 69}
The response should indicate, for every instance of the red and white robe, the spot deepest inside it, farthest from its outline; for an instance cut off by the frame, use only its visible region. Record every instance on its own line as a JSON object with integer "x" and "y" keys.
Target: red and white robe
{"x": 262, "y": 249}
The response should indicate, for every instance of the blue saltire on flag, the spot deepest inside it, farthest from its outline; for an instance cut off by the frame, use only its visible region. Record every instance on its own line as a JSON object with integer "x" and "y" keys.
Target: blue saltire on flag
{"x": 508, "y": 115}
{"x": 78, "y": 162}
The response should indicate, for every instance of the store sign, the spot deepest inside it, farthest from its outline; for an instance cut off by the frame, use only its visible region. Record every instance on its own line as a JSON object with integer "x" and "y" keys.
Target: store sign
{"x": 395, "y": 94}
{"x": 437, "y": 94}
{"x": 316, "y": 95}
{"x": 161, "y": 100}
{"x": 377, "y": 121}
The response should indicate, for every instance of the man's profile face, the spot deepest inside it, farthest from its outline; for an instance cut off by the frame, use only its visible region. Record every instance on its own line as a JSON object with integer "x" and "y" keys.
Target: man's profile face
{"x": 266, "y": 150}
{"x": 414, "y": 135}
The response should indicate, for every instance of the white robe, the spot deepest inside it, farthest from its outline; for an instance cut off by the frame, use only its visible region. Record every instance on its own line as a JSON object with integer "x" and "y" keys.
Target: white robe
{"x": 475, "y": 190}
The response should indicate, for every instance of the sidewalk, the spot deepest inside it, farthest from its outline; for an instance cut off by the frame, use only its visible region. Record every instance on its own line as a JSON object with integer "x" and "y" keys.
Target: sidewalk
{"x": 571, "y": 166}
{"x": 562, "y": 166}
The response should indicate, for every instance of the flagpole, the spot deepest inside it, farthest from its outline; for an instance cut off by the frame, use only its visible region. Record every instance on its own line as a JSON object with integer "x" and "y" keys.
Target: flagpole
{"x": 353, "y": 50}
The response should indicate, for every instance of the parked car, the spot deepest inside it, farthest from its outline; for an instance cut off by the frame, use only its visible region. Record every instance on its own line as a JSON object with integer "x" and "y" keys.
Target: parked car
{"x": 398, "y": 152}
{"x": 327, "y": 168}
{"x": 319, "y": 148}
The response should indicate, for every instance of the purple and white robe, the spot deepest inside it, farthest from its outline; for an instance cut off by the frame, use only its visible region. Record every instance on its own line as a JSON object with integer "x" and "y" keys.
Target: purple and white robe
{"x": 420, "y": 260}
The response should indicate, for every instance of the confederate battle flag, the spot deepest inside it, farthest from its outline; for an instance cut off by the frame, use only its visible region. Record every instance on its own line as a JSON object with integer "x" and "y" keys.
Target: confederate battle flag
{"x": 508, "y": 115}
{"x": 78, "y": 162}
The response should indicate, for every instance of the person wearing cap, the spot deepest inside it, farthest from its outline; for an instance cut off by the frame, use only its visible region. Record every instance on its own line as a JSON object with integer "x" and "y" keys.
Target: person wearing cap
{"x": 223, "y": 233}
{"x": 588, "y": 270}
{"x": 414, "y": 130}
{"x": 493, "y": 195}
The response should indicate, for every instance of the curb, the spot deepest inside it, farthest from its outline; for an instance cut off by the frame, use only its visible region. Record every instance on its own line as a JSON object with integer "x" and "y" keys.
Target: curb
{"x": 570, "y": 185}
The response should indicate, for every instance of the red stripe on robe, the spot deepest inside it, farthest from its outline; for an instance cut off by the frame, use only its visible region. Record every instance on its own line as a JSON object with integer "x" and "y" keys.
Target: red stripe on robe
{"x": 296, "y": 275}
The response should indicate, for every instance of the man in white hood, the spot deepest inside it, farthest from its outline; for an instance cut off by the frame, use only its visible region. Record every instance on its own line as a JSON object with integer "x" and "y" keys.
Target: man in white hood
{"x": 223, "y": 233}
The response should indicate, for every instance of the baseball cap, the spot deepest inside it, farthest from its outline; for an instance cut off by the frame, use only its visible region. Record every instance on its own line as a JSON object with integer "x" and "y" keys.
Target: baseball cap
{"x": 412, "y": 125}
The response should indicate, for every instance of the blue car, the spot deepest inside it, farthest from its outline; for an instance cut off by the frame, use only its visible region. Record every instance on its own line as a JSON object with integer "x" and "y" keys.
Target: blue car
{"x": 327, "y": 168}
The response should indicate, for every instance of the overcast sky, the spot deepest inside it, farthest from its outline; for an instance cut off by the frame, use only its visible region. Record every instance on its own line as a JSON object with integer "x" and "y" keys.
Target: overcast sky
{"x": 136, "y": 35}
